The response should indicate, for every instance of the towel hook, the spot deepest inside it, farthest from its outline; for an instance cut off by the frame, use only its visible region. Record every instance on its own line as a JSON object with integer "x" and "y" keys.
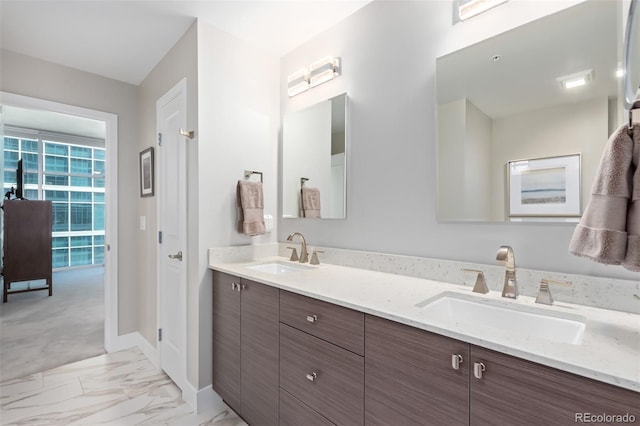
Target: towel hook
{"x": 248, "y": 173}
{"x": 302, "y": 181}
{"x": 635, "y": 106}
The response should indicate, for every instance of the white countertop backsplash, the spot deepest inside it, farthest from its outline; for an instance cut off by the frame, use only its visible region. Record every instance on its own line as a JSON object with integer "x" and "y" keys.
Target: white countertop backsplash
{"x": 390, "y": 286}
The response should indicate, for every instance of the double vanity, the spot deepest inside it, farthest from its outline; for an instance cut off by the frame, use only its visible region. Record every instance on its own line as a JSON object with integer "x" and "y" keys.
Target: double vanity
{"x": 299, "y": 344}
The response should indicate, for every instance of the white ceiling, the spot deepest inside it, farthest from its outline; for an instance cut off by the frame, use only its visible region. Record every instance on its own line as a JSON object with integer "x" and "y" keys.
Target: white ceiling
{"x": 533, "y": 56}
{"x": 125, "y": 39}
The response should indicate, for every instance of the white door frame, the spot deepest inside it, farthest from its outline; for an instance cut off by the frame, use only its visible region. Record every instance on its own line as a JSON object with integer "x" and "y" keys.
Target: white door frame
{"x": 181, "y": 381}
{"x": 111, "y": 201}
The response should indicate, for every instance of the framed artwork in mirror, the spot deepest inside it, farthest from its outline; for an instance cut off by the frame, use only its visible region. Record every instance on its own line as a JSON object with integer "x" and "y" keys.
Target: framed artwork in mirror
{"x": 544, "y": 187}
{"x": 146, "y": 173}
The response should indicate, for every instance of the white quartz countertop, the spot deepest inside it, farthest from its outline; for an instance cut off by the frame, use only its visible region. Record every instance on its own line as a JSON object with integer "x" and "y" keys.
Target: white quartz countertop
{"x": 609, "y": 351}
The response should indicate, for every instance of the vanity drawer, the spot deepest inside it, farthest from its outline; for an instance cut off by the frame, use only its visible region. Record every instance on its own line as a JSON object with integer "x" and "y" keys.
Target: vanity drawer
{"x": 295, "y": 413}
{"x": 341, "y": 326}
{"x": 327, "y": 378}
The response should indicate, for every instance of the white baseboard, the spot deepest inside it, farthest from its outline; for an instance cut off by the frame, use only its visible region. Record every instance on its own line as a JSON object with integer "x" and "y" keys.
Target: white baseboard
{"x": 132, "y": 340}
{"x": 149, "y": 351}
{"x": 200, "y": 399}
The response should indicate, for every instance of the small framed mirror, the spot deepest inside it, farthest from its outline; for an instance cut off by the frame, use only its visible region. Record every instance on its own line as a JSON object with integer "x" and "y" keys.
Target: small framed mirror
{"x": 314, "y": 147}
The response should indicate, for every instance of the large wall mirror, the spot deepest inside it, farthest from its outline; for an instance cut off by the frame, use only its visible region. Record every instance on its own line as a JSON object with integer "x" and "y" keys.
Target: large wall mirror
{"x": 314, "y": 150}
{"x": 519, "y": 136}
{"x": 632, "y": 56}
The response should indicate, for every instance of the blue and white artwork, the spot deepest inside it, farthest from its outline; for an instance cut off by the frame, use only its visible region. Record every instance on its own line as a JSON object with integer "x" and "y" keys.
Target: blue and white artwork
{"x": 544, "y": 186}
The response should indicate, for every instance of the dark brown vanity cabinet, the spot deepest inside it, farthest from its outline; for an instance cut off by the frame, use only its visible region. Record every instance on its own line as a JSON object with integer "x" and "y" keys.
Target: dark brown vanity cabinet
{"x": 246, "y": 346}
{"x": 411, "y": 379}
{"x": 515, "y": 391}
{"x": 321, "y": 362}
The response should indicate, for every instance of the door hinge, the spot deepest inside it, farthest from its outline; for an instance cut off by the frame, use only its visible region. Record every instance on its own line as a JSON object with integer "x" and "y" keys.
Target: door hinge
{"x": 159, "y": 139}
{"x": 159, "y": 335}
{"x": 159, "y": 237}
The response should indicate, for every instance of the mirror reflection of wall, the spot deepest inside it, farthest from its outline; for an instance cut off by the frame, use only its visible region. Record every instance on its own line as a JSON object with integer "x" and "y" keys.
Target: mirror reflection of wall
{"x": 502, "y": 100}
{"x": 314, "y": 155}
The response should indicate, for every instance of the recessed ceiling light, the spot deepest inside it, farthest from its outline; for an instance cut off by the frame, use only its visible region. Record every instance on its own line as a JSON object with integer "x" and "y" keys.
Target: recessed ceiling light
{"x": 496, "y": 58}
{"x": 578, "y": 79}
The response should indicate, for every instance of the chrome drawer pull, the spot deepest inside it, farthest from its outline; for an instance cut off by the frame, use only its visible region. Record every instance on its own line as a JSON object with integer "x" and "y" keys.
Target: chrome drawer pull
{"x": 312, "y": 318}
{"x": 478, "y": 369}
{"x": 456, "y": 360}
{"x": 312, "y": 376}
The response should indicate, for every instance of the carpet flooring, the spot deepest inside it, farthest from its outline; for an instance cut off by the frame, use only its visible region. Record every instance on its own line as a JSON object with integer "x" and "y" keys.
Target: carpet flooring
{"x": 38, "y": 332}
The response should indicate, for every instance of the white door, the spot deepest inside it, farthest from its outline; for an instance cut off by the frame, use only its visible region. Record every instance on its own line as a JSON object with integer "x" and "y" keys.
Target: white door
{"x": 172, "y": 224}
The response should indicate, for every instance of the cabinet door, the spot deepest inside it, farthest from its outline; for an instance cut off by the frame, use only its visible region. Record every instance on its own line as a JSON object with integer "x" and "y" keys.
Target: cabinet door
{"x": 516, "y": 391}
{"x": 226, "y": 338}
{"x": 325, "y": 377}
{"x": 409, "y": 378}
{"x": 295, "y": 413}
{"x": 259, "y": 353}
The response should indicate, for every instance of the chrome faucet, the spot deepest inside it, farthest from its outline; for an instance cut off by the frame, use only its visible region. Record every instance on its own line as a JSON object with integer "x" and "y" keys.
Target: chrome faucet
{"x": 304, "y": 256}
{"x": 505, "y": 257}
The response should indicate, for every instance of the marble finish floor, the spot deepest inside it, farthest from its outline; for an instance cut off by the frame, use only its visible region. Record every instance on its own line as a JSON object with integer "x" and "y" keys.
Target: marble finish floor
{"x": 120, "y": 388}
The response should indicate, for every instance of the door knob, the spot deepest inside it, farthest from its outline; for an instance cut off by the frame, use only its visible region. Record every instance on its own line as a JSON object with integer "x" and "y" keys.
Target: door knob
{"x": 176, "y": 256}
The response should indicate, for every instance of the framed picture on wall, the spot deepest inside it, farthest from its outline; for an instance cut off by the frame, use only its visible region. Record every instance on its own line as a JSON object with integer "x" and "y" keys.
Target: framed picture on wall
{"x": 544, "y": 187}
{"x": 146, "y": 173}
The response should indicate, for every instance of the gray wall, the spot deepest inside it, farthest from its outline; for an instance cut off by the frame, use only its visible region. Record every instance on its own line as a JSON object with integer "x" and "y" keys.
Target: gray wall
{"x": 388, "y": 52}
{"x": 238, "y": 117}
{"x": 32, "y": 77}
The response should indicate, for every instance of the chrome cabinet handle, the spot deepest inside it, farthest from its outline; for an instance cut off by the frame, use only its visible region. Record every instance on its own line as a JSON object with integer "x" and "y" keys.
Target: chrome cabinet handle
{"x": 176, "y": 256}
{"x": 236, "y": 286}
{"x": 312, "y": 376}
{"x": 312, "y": 318}
{"x": 478, "y": 369}
{"x": 456, "y": 360}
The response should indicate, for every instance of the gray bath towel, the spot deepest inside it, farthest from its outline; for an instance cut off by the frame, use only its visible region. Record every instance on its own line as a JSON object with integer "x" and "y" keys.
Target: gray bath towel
{"x": 250, "y": 203}
{"x": 609, "y": 230}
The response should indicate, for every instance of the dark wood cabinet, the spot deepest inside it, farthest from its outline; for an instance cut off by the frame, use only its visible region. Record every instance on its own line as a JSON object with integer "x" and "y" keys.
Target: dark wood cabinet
{"x": 245, "y": 347}
{"x": 341, "y": 326}
{"x": 282, "y": 358}
{"x": 515, "y": 391}
{"x": 226, "y": 338}
{"x": 27, "y": 244}
{"x": 294, "y": 412}
{"x": 409, "y": 377}
{"x": 259, "y": 353}
{"x": 326, "y": 377}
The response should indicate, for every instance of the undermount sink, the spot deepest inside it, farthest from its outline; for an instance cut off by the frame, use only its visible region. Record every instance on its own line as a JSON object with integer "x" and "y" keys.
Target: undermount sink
{"x": 505, "y": 316}
{"x": 278, "y": 267}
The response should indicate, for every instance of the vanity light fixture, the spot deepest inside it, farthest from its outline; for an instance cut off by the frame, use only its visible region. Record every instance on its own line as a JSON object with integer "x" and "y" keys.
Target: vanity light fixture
{"x": 324, "y": 70}
{"x": 298, "y": 82}
{"x": 578, "y": 79}
{"x": 318, "y": 72}
{"x": 469, "y": 8}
